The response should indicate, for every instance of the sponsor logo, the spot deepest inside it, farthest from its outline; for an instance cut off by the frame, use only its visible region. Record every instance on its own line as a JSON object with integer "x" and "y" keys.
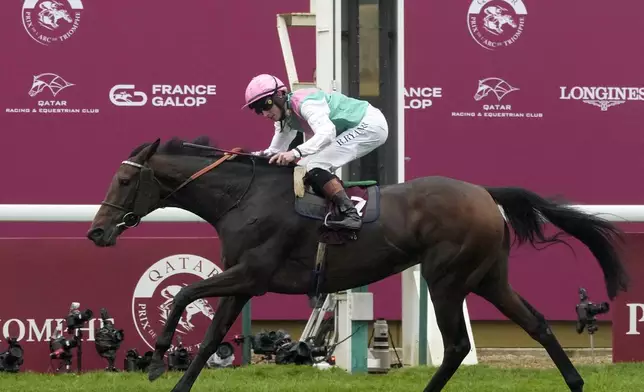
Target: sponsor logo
{"x": 635, "y": 318}
{"x": 51, "y": 21}
{"x": 162, "y": 95}
{"x": 155, "y": 292}
{"x": 496, "y": 23}
{"x": 495, "y": 95}
{"x": 421, "y": 97}
{"x": 602, "y": 97}
{"x": 44, "y": 88}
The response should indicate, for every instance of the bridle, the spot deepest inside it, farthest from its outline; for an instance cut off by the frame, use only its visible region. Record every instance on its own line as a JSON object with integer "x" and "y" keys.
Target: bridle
{"x": 144, "y": 193}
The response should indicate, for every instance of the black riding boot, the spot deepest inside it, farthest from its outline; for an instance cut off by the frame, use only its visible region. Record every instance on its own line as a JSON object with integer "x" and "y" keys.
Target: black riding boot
{"x": 350, "y": 219}
{"x": 329, "y": 185}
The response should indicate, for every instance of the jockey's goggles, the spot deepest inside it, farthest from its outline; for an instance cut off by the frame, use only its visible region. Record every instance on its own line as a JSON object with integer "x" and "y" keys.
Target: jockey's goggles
{"x": 264, "y": 103}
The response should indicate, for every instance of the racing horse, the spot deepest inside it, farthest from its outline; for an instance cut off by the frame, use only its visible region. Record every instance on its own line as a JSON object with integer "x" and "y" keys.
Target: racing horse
{"x": 455, "y": 230}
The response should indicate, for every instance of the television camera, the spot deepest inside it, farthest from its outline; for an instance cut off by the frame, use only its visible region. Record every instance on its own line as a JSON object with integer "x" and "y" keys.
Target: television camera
{"x": 12, "y": 358}
{"x": 108, "y": 340}
{"x": 60, "y": 347}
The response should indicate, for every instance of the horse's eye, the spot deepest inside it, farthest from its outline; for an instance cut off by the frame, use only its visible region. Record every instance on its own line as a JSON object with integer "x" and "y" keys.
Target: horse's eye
{"x": 124, "y": 181}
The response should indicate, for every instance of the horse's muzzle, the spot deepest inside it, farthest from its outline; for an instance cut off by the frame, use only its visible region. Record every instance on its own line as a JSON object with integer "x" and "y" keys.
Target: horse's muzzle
{"x": 102, "y": 238}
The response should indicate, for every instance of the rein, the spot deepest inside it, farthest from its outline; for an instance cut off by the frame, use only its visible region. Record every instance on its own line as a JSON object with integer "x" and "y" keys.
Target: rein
{"x": 235, "y": 151}
{"x": 145, "y": 186}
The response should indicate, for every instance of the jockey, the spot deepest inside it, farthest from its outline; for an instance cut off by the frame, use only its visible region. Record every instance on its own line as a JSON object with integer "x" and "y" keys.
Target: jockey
{"x": 339, "y": 130}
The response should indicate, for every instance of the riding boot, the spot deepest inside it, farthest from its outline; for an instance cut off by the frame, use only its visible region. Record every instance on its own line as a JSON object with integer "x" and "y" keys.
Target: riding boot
{"x": 349, "y": 217}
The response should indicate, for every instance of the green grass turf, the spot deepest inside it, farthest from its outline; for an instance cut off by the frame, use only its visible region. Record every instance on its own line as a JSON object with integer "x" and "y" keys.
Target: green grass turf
{"x": 274, "y": 378}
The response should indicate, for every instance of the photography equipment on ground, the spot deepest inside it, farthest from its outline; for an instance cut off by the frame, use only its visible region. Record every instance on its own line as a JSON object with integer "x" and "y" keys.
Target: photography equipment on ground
{"x": 60, "y": 348}
{"x": 133, "y": 362}
{"x": 12, "y": 358}
{"x": 586, "y": 316}
{"x": 108, "y": 340}
{"x": 180, "y": 358}
{"x": 223, "y": 357}
{"x": 280, "y": 347}
{"x": 298, "y": 353}
{"x": 75, "y": 321}
{"x": 267, "y": 343}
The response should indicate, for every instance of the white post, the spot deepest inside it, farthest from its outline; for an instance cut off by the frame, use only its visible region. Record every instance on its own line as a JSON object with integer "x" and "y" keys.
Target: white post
{"x": 410, "y": 288}
{"x": 410, "y": 313}
{"x": 287, "y": 52}
{"x": 410, "y": 278}
{"x": 411, "y": 323}
{"x": 354, "y": 309}
{"x": 324, "y": 44}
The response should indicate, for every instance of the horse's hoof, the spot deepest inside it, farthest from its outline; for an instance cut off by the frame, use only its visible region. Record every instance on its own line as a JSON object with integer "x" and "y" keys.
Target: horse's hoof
{"x": 156, "y": 368}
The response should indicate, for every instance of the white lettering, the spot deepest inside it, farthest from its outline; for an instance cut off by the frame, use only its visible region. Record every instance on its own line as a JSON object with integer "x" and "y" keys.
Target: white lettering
{"x": 497, "y": 107}
{"x": 632, "y": 318}
{"x": 43, "y": 333}
{"x": 39, "y": 331}
{"x": 7, "y": 332}
{"x": 418, "y": 104}
{"x": 178, "y": 101}
{"x": 198, "y": 89}
{"x": 425, "y": 92}
{"x": 52, "y": 103}
{"x": 602, "y": 93}
{"x": 360, "y": 205}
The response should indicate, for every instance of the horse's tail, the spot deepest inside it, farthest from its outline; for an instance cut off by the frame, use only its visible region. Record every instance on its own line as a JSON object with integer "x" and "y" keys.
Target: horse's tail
{"x": 526, "y": 212}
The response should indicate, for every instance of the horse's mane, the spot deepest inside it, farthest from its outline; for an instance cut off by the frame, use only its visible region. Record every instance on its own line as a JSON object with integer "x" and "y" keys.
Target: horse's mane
{"x": 174, "y": 146}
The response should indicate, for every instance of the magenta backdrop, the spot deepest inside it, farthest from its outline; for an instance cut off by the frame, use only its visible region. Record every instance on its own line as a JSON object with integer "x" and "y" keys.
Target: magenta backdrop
{"x": 566, "y": 147}
{"x": 44, "y": 276}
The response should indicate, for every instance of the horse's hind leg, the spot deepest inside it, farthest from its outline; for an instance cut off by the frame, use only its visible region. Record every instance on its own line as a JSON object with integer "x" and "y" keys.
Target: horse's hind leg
{"x": 497, "y": 291}
{"x": 226, "y": 314}
{"x": 450, "y": 270}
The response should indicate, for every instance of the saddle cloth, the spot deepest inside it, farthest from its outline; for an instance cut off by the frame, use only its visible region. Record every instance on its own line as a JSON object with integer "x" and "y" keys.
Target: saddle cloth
{"x": 366, "y": 199}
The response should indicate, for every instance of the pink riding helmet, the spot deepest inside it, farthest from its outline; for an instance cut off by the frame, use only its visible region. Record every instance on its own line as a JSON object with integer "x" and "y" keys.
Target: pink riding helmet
{"x": 261, "y": 86}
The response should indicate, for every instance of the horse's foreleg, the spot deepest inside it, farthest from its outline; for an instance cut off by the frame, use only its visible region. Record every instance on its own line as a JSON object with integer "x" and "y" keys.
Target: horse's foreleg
{"x": 226, "y": 314}
{"x": 232, "y": 282}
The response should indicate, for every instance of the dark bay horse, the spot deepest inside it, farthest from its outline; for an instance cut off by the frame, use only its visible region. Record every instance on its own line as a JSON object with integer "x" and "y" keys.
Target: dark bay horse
{"x": 454, "y": 229}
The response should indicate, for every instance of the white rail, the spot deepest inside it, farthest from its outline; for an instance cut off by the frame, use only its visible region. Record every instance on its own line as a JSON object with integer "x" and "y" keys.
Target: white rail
{"x": 86, "y": 212}
{"x": 81, "y": 213}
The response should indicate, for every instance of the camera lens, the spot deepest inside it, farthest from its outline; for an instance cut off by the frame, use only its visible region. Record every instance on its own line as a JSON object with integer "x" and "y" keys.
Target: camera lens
{"x": 224, "y": 350}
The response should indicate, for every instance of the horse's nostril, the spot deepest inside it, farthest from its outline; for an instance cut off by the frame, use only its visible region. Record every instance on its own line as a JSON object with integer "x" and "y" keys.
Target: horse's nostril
{"x": 95, "y": 234}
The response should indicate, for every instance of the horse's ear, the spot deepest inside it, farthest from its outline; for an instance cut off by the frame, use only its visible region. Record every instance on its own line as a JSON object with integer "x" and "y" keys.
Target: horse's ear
{"x": 152, "y": 148}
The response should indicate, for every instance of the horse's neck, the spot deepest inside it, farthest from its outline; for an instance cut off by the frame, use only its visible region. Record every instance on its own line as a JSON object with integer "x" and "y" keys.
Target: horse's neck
{"x": 216, "y": 191}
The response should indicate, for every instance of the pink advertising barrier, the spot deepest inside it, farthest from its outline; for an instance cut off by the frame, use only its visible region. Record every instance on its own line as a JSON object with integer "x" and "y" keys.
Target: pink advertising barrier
{"x": 628, "y": 308}
{"x": 135, "y": 282}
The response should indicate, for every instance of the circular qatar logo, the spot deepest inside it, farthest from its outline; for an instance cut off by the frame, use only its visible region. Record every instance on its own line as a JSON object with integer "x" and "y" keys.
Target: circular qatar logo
{"x": 155, "y": 292}
{"x": 51, "y": 21}
{"x": 496, "y": 23}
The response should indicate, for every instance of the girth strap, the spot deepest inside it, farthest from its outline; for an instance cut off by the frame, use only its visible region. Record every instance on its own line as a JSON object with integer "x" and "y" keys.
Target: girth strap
{"x": 318, "y": 272}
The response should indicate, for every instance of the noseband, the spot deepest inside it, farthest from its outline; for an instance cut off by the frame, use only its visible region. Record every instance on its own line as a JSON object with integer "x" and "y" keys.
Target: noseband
{"x": 143, "y": 196}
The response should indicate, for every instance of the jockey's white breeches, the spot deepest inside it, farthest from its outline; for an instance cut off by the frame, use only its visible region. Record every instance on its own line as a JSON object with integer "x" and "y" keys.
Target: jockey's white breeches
{"x": 351, "y": 144}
